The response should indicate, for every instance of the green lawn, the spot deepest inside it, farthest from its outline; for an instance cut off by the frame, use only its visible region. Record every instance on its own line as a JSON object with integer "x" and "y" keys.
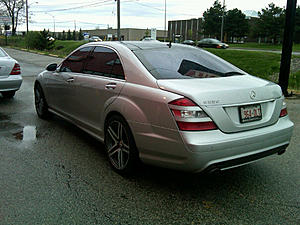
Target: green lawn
{"x": 260, "y": 64}
{"x": 296, "y": 47}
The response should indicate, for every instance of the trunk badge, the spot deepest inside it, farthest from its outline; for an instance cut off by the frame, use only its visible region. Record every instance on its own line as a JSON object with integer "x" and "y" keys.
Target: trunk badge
{"x": 252, "y": 94}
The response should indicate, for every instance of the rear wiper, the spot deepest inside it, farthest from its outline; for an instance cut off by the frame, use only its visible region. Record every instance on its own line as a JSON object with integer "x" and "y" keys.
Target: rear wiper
{"x": 232, "y": 73}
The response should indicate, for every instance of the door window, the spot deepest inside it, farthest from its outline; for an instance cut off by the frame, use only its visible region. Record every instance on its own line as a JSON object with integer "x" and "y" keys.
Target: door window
{"x": 104, "y": 62}
{"x": 75, "y": 62}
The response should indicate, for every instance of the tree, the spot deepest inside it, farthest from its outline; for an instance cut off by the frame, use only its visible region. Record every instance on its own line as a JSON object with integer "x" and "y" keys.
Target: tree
{"x": 80, "y": 35}
{"x": 69, "y": 35}
{"x": 74, "y": 35}
{"x": 271, "y": 22}
{"x": 236, "y": 25}
{"x": 39, "y": 40}
{"x": 213, "y": 19}
{"x": 13, "y": 9}
{"x": 63, "y": 36}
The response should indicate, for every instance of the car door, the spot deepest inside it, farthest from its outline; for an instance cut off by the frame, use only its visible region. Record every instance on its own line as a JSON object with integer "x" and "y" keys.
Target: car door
{"x": 98, "y": 86}
{"x": 60, "y": 86}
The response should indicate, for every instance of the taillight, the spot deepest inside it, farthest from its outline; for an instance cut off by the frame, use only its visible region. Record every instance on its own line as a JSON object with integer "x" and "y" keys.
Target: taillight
{"x": 189, "y": 116}
{"x": 283, "y": 111}
{"x": 16, "y": 70}
{"x": 183, "y": 102}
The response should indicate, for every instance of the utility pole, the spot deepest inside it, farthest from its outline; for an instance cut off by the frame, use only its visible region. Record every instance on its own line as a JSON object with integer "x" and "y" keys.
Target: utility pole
{"x": 165, "y": 20}
{"x": 287, "y": 46}
{"x": 75, "y": 24}
{"x": 222, "y": 26}
{"x": 118, "y": 9}
{"x": 27, "y": 29}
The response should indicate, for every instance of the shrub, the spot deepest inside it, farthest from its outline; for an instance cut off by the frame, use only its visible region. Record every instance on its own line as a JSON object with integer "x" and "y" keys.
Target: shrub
{"x": 38, "y": 40}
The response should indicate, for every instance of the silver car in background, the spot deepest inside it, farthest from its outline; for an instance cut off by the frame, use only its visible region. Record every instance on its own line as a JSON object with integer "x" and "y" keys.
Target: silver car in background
{"x": 168, "y": 105}
{"x": 10, "y": 75}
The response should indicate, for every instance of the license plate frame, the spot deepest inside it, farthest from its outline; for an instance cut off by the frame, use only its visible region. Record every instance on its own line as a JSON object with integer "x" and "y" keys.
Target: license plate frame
{"x": 250, "y": 113}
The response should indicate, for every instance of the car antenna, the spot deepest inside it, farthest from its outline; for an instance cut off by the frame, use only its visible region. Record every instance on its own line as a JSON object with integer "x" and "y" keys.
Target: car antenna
{"x": 170, "y": 44}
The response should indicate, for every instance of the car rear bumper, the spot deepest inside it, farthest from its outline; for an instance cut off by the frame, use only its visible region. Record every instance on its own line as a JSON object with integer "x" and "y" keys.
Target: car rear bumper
{"x": 10, "y": 83}
{"x": 211, "y": 150}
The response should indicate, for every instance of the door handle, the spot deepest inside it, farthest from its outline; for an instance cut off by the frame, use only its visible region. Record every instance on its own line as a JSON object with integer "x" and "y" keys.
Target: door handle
{"x": 70, "y": 80}
{"x": 111, "y": 86}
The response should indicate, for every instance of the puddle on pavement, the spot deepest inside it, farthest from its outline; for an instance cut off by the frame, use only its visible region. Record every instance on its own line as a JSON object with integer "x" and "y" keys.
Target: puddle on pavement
{"x": 28, "y": 134}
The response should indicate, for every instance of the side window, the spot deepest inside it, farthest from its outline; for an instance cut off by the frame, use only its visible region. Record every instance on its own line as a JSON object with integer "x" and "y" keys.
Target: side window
{"x": 104, "y": 62}
{"x": 75, "y": 62}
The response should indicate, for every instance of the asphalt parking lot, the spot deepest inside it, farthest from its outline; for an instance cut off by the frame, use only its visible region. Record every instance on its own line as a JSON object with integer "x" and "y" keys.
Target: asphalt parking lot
{"x": 54, "y": 173}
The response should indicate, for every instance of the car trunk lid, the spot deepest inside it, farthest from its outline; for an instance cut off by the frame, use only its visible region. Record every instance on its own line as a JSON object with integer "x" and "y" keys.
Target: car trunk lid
{"x": 6, "y": 65}
{"x": 224, "y": 99}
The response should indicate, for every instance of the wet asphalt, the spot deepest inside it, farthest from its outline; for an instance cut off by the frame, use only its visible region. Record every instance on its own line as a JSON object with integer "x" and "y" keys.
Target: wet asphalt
{"x": 51, "y": 172}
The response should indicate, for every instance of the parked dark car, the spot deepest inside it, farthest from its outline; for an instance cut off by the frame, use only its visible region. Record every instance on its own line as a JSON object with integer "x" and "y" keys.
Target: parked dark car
{"x": 212, "y": 43}
{"x": 189, "y": 42}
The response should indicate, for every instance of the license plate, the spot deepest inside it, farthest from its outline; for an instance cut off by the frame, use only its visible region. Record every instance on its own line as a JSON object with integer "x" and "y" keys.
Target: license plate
{"x": 250, "y": 113}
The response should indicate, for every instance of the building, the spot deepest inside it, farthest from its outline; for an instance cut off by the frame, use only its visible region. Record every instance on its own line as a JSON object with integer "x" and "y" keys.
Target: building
{"x": 127, "y": 34}
{"x": 185, "y": 29}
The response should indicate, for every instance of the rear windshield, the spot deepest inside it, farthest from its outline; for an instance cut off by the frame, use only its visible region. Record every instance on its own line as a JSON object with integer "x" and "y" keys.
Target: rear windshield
{"x": 179, "y": 62}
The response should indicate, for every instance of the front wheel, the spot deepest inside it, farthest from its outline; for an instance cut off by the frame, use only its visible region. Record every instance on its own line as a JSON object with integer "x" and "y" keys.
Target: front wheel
{"x": 120, "y": 145}
{"x": 40, "y": 102}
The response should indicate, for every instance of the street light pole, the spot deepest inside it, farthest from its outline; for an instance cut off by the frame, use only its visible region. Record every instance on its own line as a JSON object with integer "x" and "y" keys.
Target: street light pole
{"x": 222, "y": 26}
{"x": 165, "y": 20}
{"x": 27, "y": 29}
{"x": 287, "y": 46}
{"x": 118, "y": 9}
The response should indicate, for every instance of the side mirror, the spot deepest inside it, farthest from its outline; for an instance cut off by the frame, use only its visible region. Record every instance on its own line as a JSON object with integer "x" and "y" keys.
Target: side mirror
{"x": 51, "y": 67}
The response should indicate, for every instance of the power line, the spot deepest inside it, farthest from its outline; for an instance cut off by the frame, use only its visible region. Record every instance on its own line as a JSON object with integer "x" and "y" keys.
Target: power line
{"x": 77, "y": 7}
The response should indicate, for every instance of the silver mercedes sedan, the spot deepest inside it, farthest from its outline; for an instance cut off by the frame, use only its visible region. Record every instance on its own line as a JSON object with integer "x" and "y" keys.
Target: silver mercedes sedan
{"x": 10, "y": 75}
{"x": 169, "y": 105}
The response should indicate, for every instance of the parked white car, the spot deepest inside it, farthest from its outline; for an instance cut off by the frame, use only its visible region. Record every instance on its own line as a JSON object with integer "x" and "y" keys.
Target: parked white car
{"x": 10, "y": 75}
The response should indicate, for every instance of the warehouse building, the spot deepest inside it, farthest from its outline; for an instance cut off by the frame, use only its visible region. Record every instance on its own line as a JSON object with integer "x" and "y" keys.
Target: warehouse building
{"x": 127, "y": 34}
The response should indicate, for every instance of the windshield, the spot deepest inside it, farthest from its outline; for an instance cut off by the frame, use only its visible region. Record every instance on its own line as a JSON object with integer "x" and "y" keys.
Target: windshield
{"x": 184, "y": 63}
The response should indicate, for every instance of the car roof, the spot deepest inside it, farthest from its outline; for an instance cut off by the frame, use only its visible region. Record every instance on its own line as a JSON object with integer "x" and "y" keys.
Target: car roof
{"x": 137, "y": 45}
{"x": 140, "y": 45}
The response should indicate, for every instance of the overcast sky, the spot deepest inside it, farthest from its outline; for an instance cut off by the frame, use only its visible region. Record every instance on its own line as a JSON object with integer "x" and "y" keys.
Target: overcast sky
{"x": 89, "y": 14}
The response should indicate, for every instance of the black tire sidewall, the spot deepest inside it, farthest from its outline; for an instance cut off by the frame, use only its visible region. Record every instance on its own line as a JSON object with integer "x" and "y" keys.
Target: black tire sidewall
{"x": 45, "y": 113}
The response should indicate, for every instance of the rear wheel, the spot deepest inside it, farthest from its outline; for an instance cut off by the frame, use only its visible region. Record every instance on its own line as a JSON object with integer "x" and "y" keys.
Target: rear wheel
{"x": 120, "y": 145}
{"x": 40, "y": 102}
{"x": 8, "y": 94}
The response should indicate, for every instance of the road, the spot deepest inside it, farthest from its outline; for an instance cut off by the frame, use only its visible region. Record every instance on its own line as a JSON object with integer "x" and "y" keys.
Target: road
{"x": 54, "y": 173}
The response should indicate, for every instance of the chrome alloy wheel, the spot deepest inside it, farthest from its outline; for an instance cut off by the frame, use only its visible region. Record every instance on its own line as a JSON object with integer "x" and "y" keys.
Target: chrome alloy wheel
{"x": 117, "y": 145}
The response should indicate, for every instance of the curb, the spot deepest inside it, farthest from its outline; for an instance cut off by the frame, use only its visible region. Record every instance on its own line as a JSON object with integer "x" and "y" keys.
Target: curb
{"x": 35, "y": 52}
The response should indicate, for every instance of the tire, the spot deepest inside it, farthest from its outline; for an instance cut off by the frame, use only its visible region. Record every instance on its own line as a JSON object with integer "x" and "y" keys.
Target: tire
{"x": 8, "y": 94}
{"x": 40, "y": 102}
{"x": 120, "y": 145}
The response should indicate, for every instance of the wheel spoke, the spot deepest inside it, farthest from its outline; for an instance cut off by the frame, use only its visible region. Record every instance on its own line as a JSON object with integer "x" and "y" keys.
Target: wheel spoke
{"x": 112, "y": 134}
{"x": 120, "y": 159}
{"x": 113, "y": 151}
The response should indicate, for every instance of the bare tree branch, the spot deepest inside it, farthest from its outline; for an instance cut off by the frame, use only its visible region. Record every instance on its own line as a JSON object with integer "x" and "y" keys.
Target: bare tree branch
{"x": 13, "y": 8}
